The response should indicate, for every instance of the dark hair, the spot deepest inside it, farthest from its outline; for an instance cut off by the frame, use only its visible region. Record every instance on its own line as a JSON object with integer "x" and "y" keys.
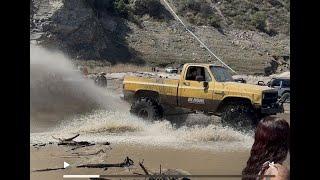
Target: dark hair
{"x": 271, "y": 143}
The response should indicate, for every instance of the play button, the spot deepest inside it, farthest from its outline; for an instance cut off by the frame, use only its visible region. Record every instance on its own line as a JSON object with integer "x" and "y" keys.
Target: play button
{"x": 65, "y": 165}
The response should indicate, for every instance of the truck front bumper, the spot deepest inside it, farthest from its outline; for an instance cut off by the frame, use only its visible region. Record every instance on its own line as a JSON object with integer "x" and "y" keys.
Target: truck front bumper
{"x": 272, "y": 109}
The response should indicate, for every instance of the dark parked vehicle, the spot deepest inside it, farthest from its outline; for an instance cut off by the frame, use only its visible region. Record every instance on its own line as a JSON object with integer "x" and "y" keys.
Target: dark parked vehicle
{"x": 282, "y": 85}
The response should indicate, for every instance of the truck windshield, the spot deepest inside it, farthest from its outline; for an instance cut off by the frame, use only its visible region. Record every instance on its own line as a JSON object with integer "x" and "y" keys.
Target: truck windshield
{"x": 221, "y": 74}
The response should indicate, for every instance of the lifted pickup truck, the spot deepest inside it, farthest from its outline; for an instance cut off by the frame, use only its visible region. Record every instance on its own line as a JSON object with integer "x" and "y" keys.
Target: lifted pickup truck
{"x": 202, "y": 87}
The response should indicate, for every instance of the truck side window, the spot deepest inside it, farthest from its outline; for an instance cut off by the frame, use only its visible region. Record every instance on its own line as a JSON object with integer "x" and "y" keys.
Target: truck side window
{"x": 195, "y": 73}
{"x": 221, "y": 74}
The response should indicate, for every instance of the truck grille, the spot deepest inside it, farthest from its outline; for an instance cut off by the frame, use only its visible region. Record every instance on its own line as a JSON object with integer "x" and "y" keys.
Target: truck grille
{"x": 269, "y": 98}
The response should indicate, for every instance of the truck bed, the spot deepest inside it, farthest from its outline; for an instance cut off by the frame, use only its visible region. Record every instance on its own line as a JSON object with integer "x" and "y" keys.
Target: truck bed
{"x": 166, "y": 87}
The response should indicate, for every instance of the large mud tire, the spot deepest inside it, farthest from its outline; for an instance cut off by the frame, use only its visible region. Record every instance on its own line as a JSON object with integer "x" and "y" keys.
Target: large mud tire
{"x": 147, "y": 108}
{"x": 239, "y": 116}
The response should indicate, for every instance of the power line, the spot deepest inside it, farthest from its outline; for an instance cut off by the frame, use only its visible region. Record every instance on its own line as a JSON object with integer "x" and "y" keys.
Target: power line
{"x": 177, "y": 17}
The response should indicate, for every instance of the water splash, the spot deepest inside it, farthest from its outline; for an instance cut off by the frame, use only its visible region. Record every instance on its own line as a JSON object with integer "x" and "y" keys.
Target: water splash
{"x": 69, "y": 104}
{"x": 123, "y": 128}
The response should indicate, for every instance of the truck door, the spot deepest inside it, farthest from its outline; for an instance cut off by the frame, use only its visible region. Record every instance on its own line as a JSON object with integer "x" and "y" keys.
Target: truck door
{"x": 195, "y": 90}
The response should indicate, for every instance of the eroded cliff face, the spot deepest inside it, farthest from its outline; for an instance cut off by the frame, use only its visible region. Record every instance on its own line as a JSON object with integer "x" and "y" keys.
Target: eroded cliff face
{"x": 80, "y": 31}
{"x": 91, "y": 30}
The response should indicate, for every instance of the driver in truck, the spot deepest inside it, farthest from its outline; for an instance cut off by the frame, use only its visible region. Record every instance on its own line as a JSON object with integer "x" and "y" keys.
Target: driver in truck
{"x": 199, "y": 76}
{"x": 195, "y": 74}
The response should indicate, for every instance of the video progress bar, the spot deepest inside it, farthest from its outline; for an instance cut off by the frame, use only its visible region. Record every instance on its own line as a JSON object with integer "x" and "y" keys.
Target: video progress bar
{"x": 80, "y": 176}
{"x": 162, "y": 175}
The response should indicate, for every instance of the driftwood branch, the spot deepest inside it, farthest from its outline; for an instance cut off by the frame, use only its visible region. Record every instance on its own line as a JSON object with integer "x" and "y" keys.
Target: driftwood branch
{"x": 79, "y": 144}
{"x": 48, "y": 169}
{"x": 135, "y": 173}
{"x": 75, "y": 143}
{"x": 143, "y": 168}
{"x": 59, "y": 139}
{"x": 39, "y": 145}
{"x": 126, "y": 163}
{"x": 70, "y": 142}
{"x": 66, "y": 139}
{"x": 72, "y": 138}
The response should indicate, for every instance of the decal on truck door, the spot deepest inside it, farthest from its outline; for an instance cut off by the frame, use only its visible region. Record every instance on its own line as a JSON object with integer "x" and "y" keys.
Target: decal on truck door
{"x": 195, "y": 100}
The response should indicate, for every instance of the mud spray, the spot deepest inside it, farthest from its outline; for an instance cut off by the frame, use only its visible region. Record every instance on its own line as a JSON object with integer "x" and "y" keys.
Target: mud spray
{"x": 63, "y": 103}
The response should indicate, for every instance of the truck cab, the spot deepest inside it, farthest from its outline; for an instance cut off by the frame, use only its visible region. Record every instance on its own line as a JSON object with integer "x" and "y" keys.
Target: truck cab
{"x": 198, "y": 87}
{"x": 205, "y": 86}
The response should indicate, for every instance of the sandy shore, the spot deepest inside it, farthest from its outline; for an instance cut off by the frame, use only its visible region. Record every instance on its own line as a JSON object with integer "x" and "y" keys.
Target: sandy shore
{"x": 189, "y": 161}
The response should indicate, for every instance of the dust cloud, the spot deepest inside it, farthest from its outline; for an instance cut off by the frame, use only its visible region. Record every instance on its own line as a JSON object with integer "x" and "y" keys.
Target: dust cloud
{"x": 58, "y": 90}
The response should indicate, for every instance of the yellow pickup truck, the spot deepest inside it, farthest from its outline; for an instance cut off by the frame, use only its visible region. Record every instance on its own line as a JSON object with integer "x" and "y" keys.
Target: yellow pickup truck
{"x": 206, "y": 88}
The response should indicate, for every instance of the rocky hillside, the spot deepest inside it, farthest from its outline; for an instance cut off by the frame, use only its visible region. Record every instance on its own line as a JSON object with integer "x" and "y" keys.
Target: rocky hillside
{"x": 251, "y": 36}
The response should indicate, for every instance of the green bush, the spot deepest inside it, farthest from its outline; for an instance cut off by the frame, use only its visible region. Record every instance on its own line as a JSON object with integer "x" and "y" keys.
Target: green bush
{"x": 121, "y": 8}
{"x": 205, "y": 10}
{"x": 194, "y": 5}
{"x": 215, "y": 21}
{"x": 202, "y": 13}
{"x": 258, "y": 20}
{"x": 151, "y": 7}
